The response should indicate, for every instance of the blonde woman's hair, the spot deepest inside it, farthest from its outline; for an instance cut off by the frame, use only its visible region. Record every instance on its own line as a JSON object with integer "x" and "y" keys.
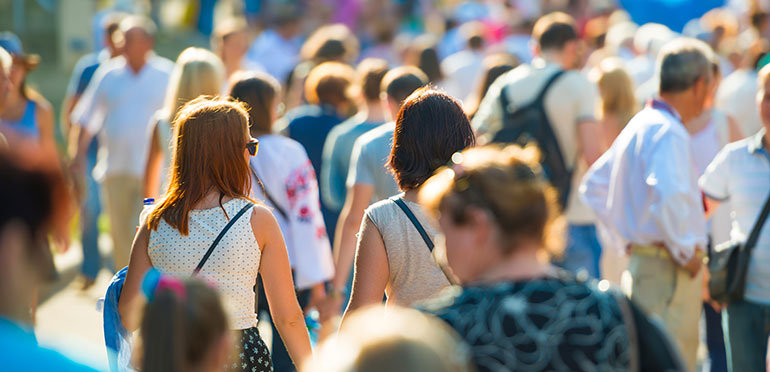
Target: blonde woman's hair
{"x": 506, "y": 182}
{"x": 376, "y": 339}
{"x": 616, "y": 90}
{"x": 198, "y": 72}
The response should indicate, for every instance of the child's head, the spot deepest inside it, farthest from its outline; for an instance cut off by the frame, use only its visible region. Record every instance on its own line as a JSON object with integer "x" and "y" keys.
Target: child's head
{"x": 184, "y": 328}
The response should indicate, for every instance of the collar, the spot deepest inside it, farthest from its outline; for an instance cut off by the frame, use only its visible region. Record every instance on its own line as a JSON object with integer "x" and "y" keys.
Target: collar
{"x": 661, "y": 105}
{"x": 757, "y": 141}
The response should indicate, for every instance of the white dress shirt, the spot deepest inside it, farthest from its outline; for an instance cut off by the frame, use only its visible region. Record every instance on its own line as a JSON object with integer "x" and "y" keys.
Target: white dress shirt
{"x": 644, "y": 189}
{"x": 285, "y": 170}
{"x": 118, "y": 105}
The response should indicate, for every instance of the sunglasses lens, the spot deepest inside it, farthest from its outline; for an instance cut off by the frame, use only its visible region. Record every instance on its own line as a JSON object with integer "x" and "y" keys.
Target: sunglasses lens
{"x": 252, "y": 147}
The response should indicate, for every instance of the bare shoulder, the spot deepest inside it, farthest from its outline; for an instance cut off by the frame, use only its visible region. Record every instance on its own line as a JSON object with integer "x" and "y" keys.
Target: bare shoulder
{"x": 261, "y": 214}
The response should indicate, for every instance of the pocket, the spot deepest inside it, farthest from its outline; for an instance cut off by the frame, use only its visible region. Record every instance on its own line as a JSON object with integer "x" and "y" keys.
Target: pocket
{"x": 653, "y": 282}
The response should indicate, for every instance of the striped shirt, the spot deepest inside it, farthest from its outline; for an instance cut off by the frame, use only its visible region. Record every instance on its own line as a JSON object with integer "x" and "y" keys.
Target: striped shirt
{"x": 741, "y": 173}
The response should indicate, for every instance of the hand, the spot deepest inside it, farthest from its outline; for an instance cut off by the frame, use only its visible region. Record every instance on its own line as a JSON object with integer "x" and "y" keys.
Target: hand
{"x": 693, "y": 265}
{"x": 329, "y": 309}
{"x": 706, "y": 295}
{"x": 317, "y": 296}
{"x": 77, "y": 171}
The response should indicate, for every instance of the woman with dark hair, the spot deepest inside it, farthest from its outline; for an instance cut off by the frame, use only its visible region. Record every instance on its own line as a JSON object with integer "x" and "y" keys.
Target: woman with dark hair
{"x": 284, "y": 179}
{"x": 394, "y": 252}
{"x": 208, "y": 192}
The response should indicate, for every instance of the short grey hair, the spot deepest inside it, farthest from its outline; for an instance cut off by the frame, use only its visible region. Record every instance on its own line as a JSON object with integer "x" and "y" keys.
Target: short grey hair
{"x": 141, "y": 22}
{"x": 682, "y": 62}
{"x": 5, "y": 60}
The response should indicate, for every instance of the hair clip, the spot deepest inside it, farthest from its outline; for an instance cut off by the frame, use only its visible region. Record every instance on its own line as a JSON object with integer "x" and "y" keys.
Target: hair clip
{"x": 173, "y": 284}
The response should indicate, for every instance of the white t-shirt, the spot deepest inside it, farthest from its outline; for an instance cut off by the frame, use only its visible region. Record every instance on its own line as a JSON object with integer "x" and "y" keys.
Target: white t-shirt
{"x": 462, "y": 71}
{"x": 118, "y": 105}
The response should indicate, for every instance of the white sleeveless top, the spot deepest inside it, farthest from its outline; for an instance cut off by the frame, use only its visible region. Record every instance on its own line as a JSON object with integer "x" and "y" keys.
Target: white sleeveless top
{"x": 232, "y": 267}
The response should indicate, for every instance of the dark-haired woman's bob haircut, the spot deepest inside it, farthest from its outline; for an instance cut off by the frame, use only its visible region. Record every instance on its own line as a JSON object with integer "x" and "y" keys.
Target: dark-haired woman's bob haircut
{"x": 430, "y": 127}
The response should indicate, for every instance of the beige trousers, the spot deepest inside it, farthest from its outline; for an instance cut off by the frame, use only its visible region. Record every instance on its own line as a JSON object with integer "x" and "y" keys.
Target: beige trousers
{"x": 123, "y": 202}
{"x": 662, "y": 288}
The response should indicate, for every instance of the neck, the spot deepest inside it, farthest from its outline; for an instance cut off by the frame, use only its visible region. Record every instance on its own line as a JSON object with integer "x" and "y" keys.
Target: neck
{"x": 522, "y": 264}
{"x": 681, "y": 104}
{"x": 411, "y": 195}
{"x": 374, "y": 112}
{"x": 137, "y": 65}
{"x": 231, "y": 65}
{"x": 556, "y": 57}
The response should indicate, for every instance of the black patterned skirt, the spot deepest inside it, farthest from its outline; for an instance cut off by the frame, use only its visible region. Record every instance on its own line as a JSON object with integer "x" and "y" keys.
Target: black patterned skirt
{"x": 252, "y": 354}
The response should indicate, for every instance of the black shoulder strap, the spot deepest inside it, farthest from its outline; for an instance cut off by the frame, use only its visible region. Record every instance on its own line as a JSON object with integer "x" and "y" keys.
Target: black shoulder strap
{"x": 538, "y": 99}
{"x": 268, "y": 196}
{"x": 548, "y": 84}
{"x": 408, "y": 212}
{"x": 757, "y": 229}
{"x": 219, "y": 237}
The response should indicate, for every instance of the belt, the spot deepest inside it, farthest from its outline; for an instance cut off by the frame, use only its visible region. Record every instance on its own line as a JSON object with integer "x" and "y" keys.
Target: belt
{"x": 657, "y": 251}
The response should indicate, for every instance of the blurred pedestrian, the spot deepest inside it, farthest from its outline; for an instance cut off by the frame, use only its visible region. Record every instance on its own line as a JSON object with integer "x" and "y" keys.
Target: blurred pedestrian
{"x": 231, "y": 43}
{"x": 394, "y": 252}
{"x": 208, "y": 193}
{"x": 26, "y": 113}
{"x": 376, "y": 339}
{"x": 573, "y": 142}
{"x": 367, "y": 180}
{"x": 422, "y": 53}
{"x": 494, "y": 66}
{"x": 283, "y": 178}
{"x": 91, "y": 199}
{"x": 328, "y": 90}
{"x": 277, "y": 48}
{"x": 197, "y": 72}
{"x": 655, "y": 210}
{"x": 464, "y": 67}
{"x": 35, "y": 204}
{"x": 517, "y": 312}
{"x": 339, "y": 143}
{"x": 117, "y": 106}
{"x": 184, "y": 328}
{"x": 739, "y": 174}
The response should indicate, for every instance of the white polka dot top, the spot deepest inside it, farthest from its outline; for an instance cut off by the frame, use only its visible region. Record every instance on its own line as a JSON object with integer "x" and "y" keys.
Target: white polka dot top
{"x": 233, "y": 265}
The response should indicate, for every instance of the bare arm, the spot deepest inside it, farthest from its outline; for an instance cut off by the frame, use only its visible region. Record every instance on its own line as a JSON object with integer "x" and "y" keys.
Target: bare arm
{"x": 139, "y": 263}
{"x": 279, "y": 286}
{"x": 45, "y": 123}
{"x": 154, "y": 164}
{"x": 357, "y": 200}
{"x": 590, "y": 138}
{"x": 372, "y": 270}
{"x": 711, "y": 206}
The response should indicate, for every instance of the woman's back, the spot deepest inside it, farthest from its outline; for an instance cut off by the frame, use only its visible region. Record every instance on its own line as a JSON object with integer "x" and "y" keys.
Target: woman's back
{"x": 414, "y": 274}
{"x": 233, "y": 265}
{"x": 547, "y": 324}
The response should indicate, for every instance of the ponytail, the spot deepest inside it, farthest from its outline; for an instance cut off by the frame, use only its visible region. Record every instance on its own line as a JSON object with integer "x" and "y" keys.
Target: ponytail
{"x": 163, "y": 334}
{"x": 183, "y": 321}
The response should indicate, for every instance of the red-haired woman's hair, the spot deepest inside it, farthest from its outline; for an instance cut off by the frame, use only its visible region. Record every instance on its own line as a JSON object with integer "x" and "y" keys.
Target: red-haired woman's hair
{"x": 210, "y": 137}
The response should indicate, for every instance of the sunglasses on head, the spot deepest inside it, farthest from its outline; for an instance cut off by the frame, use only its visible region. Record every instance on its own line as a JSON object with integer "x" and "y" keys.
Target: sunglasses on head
{"x": 252, "y": 146}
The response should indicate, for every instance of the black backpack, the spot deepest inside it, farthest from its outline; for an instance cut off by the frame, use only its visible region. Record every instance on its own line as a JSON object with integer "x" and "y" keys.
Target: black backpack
{"x": 530, "y": 124}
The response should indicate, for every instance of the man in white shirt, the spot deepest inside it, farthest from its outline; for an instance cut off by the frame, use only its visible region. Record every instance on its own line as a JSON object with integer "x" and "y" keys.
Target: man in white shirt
{"x": 118, "y": 105}
{"x": 569, "y": 107}
{"x": 644, "y": 191}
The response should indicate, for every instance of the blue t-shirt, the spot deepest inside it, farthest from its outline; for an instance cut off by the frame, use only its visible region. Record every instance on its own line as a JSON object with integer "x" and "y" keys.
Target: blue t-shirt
{"x": 310, "y": 125}
{"x": 336, "y": 158}
{"x": 20, "y": 352}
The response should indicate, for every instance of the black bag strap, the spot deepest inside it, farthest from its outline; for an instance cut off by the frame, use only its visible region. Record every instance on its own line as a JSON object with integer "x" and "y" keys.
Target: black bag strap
{"x": 408, "y": 212}
{"x": 540, "y": 96}
{"x": 757, "y": 229}
{"x": 219, "y": 237}
{"x": 268, "y": 196}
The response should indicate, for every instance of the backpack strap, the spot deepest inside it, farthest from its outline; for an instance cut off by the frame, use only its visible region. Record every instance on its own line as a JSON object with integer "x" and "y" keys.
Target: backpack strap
{"x": 219, "y": 237}
{"x": 408, "y": 212}
{"x": 541, "y": 96}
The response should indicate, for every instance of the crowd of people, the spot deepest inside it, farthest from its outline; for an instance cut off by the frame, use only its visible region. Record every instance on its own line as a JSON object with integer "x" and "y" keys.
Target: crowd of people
{"x": 501, "y": 190}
